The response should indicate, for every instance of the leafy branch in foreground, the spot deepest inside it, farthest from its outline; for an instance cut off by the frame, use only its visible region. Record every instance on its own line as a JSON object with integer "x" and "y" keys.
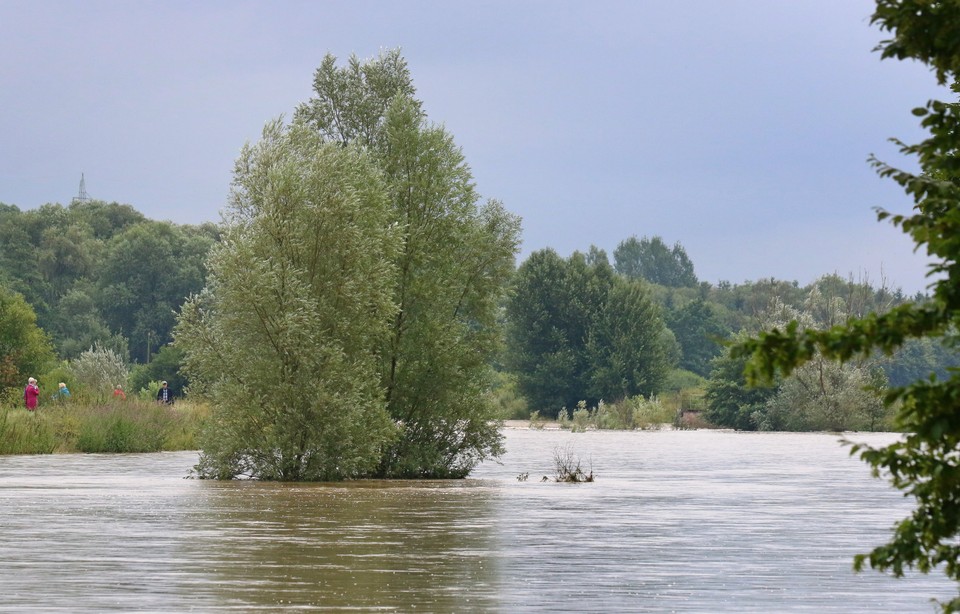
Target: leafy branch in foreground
{"x": 925, "y": 462}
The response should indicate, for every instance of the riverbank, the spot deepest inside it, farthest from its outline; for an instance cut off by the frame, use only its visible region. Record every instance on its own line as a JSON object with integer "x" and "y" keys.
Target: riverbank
{"x": 116, "y": 426}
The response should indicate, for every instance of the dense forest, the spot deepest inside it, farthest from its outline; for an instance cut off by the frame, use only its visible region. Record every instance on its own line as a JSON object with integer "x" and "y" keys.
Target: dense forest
{"x": 585, "y": 328}
{"x": 100, "y": 274}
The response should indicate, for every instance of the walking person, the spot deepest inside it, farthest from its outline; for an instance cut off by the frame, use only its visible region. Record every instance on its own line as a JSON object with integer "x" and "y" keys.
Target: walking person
{"x": 164, "y": 395}
{"x": 31, "y": 393}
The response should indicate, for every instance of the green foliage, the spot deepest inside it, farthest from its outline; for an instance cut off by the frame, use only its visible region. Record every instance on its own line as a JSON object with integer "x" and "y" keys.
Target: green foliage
{"x": 918, "y": 358}
{"x": 101, "y": 273}
{"x": 731, "y": 402}
{"x": 511, "y": 405}
{"x": 115, "y": 429}
{"x": 924, "y": 463}
{"x": 163, "y": 367}
{"x": 678, "y": 380}
{"x": 148, "y": 392}
{"x": 23, "y": 432}
{"x": 25, "y": 350}
{"x": 97, "y": 371}
{"x": 652, "y": 260}
{"x": 632, "y": 414}
{"x": 580, "y": 419}
{"x": 546, "y": 342}
{"x": 628, "y": 345}
{"x": 650, "y": 413}
{"x": 823, "y": 395}
{"x": 283, "y": 339}
{"x": 629, "y": 414}
{"x": 700, "y": 332}
{"x": 454, "y": 261}
{"x": 577, "y": 331}
{"x": 537, "y": 422}
{"x": 147, "y": 272}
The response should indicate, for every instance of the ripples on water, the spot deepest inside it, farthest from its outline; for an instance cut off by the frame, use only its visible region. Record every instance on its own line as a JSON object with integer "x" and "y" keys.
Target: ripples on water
{"x": 677, "y": 521}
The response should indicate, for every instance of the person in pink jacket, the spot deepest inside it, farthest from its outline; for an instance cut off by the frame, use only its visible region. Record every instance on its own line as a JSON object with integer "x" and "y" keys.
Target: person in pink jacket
{"x": 31, "y": 393}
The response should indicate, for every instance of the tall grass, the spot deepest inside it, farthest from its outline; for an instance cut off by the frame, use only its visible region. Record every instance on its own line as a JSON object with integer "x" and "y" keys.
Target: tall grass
{"x": 131, "y": 426}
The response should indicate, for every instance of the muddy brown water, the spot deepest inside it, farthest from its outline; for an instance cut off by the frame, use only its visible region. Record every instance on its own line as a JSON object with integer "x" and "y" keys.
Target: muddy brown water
{"x": 676, "y": 521}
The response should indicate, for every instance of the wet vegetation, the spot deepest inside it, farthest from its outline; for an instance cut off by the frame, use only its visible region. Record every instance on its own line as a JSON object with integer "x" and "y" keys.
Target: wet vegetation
{"x": 112, "y": 427}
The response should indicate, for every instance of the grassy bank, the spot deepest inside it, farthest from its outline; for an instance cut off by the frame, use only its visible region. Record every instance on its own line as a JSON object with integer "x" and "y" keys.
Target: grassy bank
{"x": 129, "y": 426}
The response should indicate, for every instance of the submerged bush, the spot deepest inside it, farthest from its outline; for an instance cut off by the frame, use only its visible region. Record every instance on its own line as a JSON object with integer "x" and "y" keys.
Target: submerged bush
{"x": 568, "y": 466}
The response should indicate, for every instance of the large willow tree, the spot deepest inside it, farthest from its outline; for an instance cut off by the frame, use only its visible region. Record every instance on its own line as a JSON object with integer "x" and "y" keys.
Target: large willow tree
{"x": 298, "y": 298}
{"x": 454, "y": 261}
{"x": 350, "y": 322}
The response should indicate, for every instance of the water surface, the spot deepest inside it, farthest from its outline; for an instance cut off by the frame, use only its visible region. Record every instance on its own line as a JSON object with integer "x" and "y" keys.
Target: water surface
{"x": 676, "y": 521}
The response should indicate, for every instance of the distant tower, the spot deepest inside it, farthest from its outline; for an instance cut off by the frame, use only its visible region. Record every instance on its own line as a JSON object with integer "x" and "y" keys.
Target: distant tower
{"x": 83, "y": 197}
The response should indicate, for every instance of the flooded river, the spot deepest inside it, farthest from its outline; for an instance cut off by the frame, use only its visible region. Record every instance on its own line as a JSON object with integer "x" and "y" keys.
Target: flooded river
{"x": 676, "y": 521}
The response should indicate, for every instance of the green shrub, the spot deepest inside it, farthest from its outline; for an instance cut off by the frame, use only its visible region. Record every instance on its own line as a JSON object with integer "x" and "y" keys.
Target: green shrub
{"x": 510, "y": 405}
{"x": 582, "y": 418}
{"x": 149, "y": 391}
{"x": 60, "y": 373}
{"x": 97, "y": 371}
{"x": 650, "y": 413}
{"x": 680, "y": 379}
{"x": 614, "y": 416}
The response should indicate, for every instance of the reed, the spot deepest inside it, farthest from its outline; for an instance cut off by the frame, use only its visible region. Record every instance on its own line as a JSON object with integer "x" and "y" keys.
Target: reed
{"x": 112, "y": 427}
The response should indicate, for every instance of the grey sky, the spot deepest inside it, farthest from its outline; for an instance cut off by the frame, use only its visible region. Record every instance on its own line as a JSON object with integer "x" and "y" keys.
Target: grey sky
{"x": 740, "y": 129}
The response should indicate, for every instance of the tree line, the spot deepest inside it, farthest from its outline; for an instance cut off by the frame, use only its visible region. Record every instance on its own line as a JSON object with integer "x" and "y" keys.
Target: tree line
{"x": 582, "y": 328}
{"x": 356, "y": 246}
{"x": 95, "y": 273}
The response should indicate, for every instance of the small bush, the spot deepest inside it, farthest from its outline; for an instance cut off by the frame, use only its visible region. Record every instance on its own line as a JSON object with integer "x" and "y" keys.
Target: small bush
{"x": 650, "y": 413}
{"x": 614, "y": 416}
{"x": 568, "y": 467}
{"x": 582, "y": 418}
{"x": 98, "y": 370}
{"x": 149, "y": 392}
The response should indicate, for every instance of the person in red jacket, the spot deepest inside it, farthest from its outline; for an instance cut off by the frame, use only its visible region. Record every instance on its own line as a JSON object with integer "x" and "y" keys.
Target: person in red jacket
{"x": 31, "y": 393}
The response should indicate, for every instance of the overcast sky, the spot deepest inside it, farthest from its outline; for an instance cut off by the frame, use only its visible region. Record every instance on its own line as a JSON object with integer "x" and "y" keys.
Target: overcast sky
{"x": 740, "y": 129}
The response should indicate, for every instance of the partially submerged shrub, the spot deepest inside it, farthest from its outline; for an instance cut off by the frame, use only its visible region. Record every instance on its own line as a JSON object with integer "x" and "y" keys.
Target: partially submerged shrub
{"x": 568, "y": 467}
{"x": 582, "y": 418}
{"x": 628, "y": 414}
{"x": 650, "y": 413}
